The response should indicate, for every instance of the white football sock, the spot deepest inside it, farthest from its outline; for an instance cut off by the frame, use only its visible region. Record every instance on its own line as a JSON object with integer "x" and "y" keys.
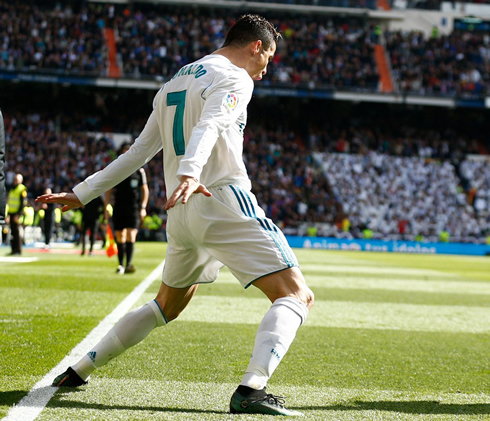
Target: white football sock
{"x": 275, "y": 334}
{"x": 130, "y": 330}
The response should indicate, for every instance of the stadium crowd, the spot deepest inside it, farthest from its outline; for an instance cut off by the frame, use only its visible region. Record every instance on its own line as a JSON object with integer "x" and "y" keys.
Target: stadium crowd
{"x": 58, "y": 40}
{"x": 318, "y": 51}
{"x": 315, "y": 52}
{"x": 409, "y": 198}
{"x": 453, "y": 64}
{"x": 339, "y": 186}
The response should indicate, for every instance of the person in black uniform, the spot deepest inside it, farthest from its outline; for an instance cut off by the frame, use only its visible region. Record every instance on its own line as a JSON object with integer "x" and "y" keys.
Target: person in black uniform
{"x": 130, "y": 200}
{"x": 47, "y": 221}
{"x": 90, "y": 217}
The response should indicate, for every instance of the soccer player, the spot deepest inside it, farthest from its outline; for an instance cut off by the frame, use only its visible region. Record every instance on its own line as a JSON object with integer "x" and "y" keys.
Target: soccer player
{"x": 130, "y": 200}
{"x": 213, "y": 218}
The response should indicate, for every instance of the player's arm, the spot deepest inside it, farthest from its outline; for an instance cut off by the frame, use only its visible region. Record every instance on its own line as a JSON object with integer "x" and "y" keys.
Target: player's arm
{"x": 107, "y": 201}
{"x": 145, "y": 194}
{"x": 68, "y": 200}
{"x": 145, "y": 147}
{"x": 224, "y": 104}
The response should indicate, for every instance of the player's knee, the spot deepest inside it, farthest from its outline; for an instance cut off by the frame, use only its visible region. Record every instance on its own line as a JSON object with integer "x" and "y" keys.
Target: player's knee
{"x": 170, "y": 312}
{"x": 306, "y": 296}
{"x": 303, "y": 294}
{"x": 171, "y": 315}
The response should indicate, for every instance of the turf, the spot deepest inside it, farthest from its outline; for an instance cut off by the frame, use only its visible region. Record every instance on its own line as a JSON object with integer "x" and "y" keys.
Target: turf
{"x": 391, "y": 337}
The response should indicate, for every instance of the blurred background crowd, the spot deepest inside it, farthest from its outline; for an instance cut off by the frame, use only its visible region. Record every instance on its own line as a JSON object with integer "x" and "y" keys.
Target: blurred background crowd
{"x": 344, "y": 186}
{"x": 319, "y": 51}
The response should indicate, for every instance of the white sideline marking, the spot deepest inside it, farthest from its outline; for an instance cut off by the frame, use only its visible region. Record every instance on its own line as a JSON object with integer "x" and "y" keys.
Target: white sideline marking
{"x": 13, "y": 259}
{"x": 30, "y": 406}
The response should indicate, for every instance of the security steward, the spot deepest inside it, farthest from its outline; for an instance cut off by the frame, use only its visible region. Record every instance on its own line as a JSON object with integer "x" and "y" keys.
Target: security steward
{"x": 17, "y": 199}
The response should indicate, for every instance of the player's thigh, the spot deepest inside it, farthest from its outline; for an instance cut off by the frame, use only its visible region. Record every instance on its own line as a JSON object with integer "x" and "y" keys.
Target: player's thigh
{"x": 188, "y": 266}
{"x": 238, "y": 234}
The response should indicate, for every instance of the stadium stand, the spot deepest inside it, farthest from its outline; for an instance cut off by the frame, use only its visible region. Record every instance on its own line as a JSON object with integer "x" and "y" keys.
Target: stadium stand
{"x": 318, "y": 51}
{"x": 345, "y": 177}
{"x": 56, "y": 39}
{"x": 402, "y": 198}
{"x": 454, "y": 64}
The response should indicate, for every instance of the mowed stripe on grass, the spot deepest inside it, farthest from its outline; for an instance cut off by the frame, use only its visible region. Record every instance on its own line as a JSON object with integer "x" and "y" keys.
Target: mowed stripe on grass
{"x": 346, "y": 314}
{"x": 131, "y": 399}
{"x": 352, "y": 360}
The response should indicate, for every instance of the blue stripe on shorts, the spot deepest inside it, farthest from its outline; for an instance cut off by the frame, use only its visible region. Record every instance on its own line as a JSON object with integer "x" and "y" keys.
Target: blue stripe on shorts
{"x": 243, "y": 197}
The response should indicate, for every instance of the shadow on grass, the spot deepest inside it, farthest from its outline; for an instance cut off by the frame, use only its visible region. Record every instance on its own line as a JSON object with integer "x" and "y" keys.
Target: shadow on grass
{"x": 62, "y": 403}
{"x": 12, "y": 397}
{"x": 407, "y": 407}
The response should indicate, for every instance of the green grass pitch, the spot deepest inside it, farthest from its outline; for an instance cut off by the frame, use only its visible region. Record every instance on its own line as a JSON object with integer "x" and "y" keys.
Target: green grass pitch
{"x": 391, "y": 337}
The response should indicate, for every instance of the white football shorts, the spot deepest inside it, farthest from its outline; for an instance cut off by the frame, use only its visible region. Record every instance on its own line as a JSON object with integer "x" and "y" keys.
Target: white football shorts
{"x": 227, "y": 229}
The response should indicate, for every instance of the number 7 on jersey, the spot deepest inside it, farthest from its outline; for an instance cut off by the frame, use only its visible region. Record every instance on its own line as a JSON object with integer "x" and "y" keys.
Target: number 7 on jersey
{"x": 178, "y": 99}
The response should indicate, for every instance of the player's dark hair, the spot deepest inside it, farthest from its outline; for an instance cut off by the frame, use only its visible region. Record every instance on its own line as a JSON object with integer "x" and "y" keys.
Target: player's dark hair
{"x": 249, "y": 28}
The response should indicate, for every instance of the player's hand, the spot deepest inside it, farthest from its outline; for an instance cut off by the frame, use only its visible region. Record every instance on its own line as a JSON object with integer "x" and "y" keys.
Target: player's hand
{"x": 68, "y": 200}
{"x": 187, "y": 187}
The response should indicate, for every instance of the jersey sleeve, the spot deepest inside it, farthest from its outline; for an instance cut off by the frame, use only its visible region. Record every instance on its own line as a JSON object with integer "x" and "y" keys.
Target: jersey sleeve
{"x": 145, "y": 147}
{"x": 225, "y": 102}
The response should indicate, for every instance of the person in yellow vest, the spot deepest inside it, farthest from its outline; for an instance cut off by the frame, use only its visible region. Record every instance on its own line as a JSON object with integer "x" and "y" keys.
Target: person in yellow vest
{"x": 345, "y": 225}
{"x": 29, "y": 214}
{"x": 368, "y": 234}
{"x": 312, "y": 231}
{"x": 444, "y": 236}
{"x": 16, "y": 201}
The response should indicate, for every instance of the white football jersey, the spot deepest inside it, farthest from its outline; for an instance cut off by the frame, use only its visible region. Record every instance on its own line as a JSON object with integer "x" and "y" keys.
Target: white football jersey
{"x": 198, "y": 119}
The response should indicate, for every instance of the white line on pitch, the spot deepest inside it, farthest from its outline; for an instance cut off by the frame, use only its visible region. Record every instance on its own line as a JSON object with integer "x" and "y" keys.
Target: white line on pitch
{"x": 30, "y": 406}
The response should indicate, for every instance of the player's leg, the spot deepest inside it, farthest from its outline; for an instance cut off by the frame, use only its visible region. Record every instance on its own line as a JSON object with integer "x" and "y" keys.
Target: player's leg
{"x": 93, "y": 232}
{"x": 291, "y": 300}
{"x": 121, "y": 248}
{"x": 130, "y": 241}
{"x": 259, "y": 255}
{"x": 48, "y": 231}
{"x": 15, "y": 239}
{"x": 82, "y": 236}
{"x": 128, "y": 331}
{"x": 184, "y": 268}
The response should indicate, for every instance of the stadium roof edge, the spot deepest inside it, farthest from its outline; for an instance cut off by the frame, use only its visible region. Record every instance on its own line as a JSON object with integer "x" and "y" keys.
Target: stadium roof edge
{"x": 256, "y": 5}
{"x": 279, "y": 91}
